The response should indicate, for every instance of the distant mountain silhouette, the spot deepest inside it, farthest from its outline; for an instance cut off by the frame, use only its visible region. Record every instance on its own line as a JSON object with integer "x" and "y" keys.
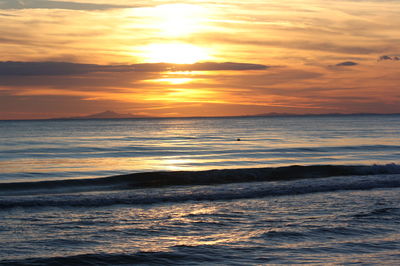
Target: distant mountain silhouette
{"x": 323, "y": 114}
{"x": 114, "y": 115}
{"x": 275, "y": 114}
{"x": 106, "y": 115}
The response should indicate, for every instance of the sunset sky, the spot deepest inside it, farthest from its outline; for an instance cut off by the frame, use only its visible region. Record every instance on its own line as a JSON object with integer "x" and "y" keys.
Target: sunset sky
{"x": 198, "y": 58}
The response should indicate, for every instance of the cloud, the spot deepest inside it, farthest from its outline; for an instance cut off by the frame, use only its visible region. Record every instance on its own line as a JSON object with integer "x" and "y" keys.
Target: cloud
{"x": 389, "y": 57}
{"x": 347, "y": 63}
{"x": 304, "y": 45}
{"x": 10, "y": 68}
{"x": 213, "y": 66}
{"x": 48, "y": 4}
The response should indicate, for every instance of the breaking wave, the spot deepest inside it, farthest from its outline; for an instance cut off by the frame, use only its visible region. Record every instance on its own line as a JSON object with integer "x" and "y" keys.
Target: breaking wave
{"x": 210, "y": 177}
{"x": 161, "y": 187}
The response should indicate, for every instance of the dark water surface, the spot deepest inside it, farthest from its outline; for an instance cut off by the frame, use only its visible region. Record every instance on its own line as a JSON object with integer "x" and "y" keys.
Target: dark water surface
{"x": 40, "y": 150}
{"x": 357, "y": 226}
{"x": 345, "y": 210}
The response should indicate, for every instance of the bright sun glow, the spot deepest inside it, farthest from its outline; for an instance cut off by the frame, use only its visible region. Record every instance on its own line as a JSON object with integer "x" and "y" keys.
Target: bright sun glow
{"x": 179, "y": 19}
{"x": 185, "y": 95}
{"x": 174, "y": 81}
{"x": 178, "y": 53}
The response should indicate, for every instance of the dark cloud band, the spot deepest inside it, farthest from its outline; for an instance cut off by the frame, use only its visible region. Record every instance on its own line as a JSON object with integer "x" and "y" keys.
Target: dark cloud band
{"x": 48, "y": 4}
{"x": 389, "y": 57}
{"x": 347, "y": 63}
{"x": 10, "y": 68}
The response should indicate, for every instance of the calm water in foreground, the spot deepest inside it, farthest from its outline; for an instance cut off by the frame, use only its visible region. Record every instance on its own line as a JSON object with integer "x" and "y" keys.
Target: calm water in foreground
{"x": 334, "y": 214}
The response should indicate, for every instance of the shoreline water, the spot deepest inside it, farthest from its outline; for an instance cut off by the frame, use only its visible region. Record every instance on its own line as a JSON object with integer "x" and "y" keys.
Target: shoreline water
{"x": 207, "y": 177}
{"x": 213, "y": 185}
{"x": 308, "y": 190}
{"x": 306, "y": 222}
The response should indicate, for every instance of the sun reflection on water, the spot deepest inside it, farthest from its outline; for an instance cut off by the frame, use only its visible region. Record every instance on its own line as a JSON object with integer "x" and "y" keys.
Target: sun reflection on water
{"x": 192, "y": 220}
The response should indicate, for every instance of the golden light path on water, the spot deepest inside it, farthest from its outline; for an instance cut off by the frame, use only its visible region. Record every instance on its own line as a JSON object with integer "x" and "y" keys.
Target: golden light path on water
{"x": 253, "y": 151}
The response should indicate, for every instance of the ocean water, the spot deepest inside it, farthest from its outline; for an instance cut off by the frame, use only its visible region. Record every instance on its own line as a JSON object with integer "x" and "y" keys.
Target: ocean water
{"x": 311, "y": 190}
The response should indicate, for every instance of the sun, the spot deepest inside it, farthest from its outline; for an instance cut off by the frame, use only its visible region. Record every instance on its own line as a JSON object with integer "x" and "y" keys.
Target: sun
{"x": 175, "y": 20}
{"x": 177, "y": 53}
{"x": 171, "y": 25}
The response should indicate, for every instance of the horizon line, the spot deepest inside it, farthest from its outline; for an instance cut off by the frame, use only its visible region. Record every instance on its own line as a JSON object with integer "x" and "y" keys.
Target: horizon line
{"x": 188, "y": 117}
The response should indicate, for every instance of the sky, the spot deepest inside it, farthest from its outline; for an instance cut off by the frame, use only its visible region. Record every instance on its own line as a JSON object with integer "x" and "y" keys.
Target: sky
{"x": 198, "y": 58}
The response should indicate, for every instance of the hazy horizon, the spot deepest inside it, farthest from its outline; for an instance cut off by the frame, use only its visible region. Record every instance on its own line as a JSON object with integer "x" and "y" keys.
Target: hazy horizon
{"x": 126, "y": 116}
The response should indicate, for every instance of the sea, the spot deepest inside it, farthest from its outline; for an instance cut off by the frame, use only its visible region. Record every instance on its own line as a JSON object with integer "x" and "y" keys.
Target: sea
{"x": 201, "y": 191}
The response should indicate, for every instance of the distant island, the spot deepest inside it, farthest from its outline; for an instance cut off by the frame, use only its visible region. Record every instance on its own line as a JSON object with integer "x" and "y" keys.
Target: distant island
{"x": 105, "y": 115}
{"x": 114, "y": 115}
{"x": 323, "y": 114}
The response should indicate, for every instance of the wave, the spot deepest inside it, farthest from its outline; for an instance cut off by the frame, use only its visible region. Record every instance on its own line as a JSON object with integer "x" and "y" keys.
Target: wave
{"x": 158, "y": 258}
{"x": 209, "y": 177}
{"x": 149, "y": 188}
